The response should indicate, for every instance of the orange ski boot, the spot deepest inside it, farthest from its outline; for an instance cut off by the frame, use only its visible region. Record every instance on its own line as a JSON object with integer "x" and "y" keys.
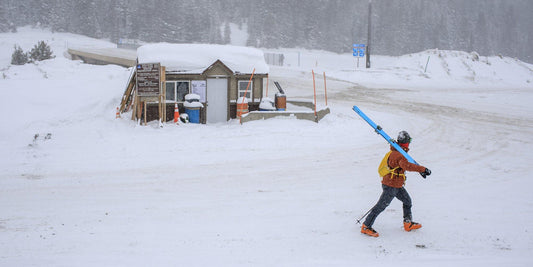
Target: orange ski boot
{"x": 369, "y": 231}
{"x": 408, "y": 225}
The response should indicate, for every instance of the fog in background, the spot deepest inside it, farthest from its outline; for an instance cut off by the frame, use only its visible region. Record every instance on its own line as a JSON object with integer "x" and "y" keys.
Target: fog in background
{"x": 489, "y": 27}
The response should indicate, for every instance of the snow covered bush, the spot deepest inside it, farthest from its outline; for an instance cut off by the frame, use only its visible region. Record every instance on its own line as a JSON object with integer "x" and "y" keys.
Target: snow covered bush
{"x": 19, "y": 57}
{"x": 41, "y": 51}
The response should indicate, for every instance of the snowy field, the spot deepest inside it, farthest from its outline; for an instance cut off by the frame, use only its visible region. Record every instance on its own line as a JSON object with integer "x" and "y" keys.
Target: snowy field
{"x": 281, "y": 192}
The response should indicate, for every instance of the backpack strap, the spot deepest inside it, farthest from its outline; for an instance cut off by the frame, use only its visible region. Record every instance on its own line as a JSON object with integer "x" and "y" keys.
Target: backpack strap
{"x": 392, "y": 171}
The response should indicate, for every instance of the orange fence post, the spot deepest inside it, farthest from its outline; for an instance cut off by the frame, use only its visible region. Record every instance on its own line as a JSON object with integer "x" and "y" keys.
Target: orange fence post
{"x": 325, "y": 90}
{"x": 246, "y": 92}
{"x": 267, "y": 87}
{"x": 314, "y": 88}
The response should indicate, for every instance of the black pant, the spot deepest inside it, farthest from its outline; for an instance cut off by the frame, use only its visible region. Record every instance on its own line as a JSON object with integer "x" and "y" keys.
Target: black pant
{"x": 389, "y": 193}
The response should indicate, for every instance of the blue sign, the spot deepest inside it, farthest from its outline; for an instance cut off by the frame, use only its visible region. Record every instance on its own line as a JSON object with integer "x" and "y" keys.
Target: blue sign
{"x": 358, "y": 50}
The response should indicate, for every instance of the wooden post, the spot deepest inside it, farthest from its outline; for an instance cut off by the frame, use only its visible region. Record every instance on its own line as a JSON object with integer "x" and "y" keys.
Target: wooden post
{"x": 145, "y": 112}
{"x": 135, "y": 113}
{"x": 139, "y": 108}
{"x": 128, "y": 93}
{"x": 134, "y": 105}
{"x": 159, "y": 100}
{"x": 164, "y": 92}
{"x": 160, "y": 108}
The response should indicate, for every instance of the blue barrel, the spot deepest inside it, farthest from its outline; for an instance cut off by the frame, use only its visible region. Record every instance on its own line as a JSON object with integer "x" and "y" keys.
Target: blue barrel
{"x": 194, "y": 114}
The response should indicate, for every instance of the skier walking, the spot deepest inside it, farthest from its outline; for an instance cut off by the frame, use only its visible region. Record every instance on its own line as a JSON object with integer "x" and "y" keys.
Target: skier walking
{"x": 393, "y": 186}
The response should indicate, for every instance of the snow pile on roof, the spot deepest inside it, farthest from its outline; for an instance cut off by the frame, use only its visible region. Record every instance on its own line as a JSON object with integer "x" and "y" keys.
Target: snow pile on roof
{"x": 195, "y": 58}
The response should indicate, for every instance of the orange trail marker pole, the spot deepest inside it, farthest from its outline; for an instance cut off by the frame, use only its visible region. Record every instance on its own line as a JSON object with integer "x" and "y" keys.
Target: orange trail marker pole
{"x": 314, "y": 89}
{"x": 246, "y": 91}
{"x": 118, "y": 114}
{"x": 325, "y": 89}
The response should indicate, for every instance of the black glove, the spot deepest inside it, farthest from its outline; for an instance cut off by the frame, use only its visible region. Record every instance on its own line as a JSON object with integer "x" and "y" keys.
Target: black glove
{"x": 425, "y": 173}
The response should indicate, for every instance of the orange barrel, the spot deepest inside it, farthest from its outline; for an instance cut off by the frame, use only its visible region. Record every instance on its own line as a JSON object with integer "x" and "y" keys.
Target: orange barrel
{"x": 242, "y": 108}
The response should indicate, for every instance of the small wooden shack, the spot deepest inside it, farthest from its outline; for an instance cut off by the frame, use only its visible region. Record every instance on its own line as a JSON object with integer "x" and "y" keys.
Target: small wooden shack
{"x": 219, "y": 74}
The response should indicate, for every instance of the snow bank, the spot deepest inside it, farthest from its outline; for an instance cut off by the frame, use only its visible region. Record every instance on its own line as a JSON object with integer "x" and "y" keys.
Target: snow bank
{"x": 195, "y": 58}
{"x": 445, "y": 69}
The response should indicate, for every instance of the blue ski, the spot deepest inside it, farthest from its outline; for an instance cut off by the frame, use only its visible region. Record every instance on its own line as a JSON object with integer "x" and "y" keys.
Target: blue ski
{"x": 380, "y": 131}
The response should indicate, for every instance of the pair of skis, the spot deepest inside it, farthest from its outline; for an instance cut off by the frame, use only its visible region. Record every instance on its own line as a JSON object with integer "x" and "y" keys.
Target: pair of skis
{"x": 380, "y": 131}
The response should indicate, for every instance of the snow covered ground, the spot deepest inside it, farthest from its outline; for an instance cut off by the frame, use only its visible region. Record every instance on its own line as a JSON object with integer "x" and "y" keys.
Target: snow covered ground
{"x": 281, "y": 192}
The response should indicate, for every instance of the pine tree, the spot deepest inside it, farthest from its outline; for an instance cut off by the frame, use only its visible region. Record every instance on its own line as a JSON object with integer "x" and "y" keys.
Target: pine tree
{"x": 4, "y": 22}
{"x": 41, "y": 51}
{"x": 19, "y": 57}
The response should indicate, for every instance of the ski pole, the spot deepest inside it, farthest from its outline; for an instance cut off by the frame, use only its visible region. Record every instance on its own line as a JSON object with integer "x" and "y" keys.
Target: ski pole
{"x": 359, "y": 221}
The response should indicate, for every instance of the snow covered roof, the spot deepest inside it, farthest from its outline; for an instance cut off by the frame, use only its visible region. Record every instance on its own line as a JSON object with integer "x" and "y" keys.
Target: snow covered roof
{"x": 195, "y": 58}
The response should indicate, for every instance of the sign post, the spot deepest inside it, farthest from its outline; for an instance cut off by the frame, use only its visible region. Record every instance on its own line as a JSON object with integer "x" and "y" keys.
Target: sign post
{"x": 358, "y": 52}
{"x": 148, "y": 85}
{"x": 148, "y": 79}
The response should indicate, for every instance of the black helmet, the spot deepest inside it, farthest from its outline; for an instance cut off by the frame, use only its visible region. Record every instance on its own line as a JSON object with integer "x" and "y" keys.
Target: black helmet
{"x": 404, "y": 137}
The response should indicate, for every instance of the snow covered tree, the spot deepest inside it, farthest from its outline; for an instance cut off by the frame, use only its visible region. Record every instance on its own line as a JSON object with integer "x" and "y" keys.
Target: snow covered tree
{"x": 19, "y": 57}
{"x": 487, "y": 26}
{"x": 41, "y": 51}
{"x": 4, "y": 22}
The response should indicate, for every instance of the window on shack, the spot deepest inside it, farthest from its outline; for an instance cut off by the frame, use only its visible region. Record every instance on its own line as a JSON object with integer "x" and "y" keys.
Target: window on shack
{"x": 170, "y": 88}
{"x": 242, "y": 84}
{"x": 176, "y": 90}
